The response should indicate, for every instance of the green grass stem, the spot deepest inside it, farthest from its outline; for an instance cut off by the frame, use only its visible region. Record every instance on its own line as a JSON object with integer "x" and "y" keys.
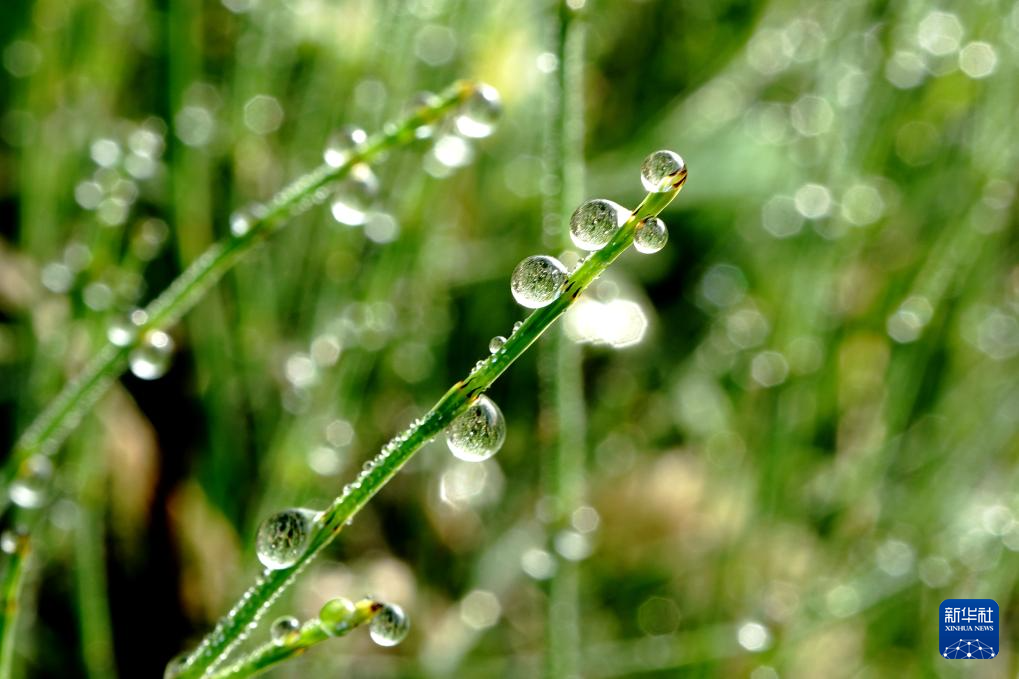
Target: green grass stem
{"x": 237, "y": 623}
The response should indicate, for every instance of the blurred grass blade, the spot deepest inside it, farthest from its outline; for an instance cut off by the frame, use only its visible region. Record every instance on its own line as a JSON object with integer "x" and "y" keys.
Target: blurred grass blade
{"x": 65, "y": 412}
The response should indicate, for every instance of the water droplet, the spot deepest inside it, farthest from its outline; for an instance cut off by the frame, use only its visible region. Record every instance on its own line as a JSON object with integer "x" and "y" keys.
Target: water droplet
{"x": 451, "y": 151}
{"x": 480, "y": 112}
{"x": 284, "y": 630}
{"x": 28, "y": 490}
{"x": 240, "y": 223}
{"x": 572, "y": 545}
{"x": 10, "y": 540}
{"x": 124, "y": 331}
{"x": 355, "y": 195}
{"x": 537, "y": 281}
{"x": 496, "y": 343}
{"x": 419, "y": 104}
{"x": 517, "y": 326}
{"x": 662, "y": 171}
{"x": 151, "y": 359}
{"x": 389, "y": 626}
{"x": 336, "y": 615}
{"x": 478, "y": 433}
{"x": 283, "y": 537}
{"x": 595, "y": 222}
{"x": 538, "y": 563}
{"x": 753, "y": 636}
{"x": 650, "y": 236}
{"x": 175, "y": 666}
{"x": 341, "y": 143}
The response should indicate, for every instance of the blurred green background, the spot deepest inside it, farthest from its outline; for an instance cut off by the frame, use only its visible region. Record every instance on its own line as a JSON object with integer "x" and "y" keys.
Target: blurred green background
{"x": 813, "y": 442}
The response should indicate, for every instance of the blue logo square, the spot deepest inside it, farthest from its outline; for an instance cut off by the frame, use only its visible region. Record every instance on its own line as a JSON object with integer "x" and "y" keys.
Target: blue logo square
{"x": 969, "y": 629}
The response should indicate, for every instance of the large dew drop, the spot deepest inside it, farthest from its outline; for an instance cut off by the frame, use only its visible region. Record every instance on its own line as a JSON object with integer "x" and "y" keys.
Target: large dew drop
{"x": 284, "y": 630}
{"x": 151, "y": 359}
{"x": 595, "y": 222}
{"x": 662, "y": 171}
{"x": 283, "y": 537}
{"x": 337, "y": 615}
{"x": 537, "y": 281}
{"x": 478, "y": 433}
{"x": 480, "y": 112}
{"x": 341, "y": 143}
{"x": 496, "y": 343}
{"x": 355, "y": 195}
{"x": 650, "y": 236}
{"x": 389, "y": 626}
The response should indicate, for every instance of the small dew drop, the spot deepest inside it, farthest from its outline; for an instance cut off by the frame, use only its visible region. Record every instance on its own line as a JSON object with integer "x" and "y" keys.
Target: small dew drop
{"x": 650, "y": 236}
{"x": 496, "y": 343}
{"x": 240, "y": 223}
{"x": 151, "y": 359}
{"x": 341, "y": 143}
{"x": 284, "y": 630}
{"x": 355, "y": 195}
{"x": 480, "y": 112}
{"x": 175, "y": 666}
{"x": 336, "y": 615}
{"x": 28, "y": 490}
{"x": 421, "y": 104}
{"x": 10, "y": 540}
{"x": 537, "y": 281}
{"x": 662, "y": 171}
{"x": 517, "y": 326}
{"x": 124, "y": 331}
{"x": 595, "y": 222}
{"x": 389, "y": 626}
{"x": 283, "y": 537}
{"x": 478, "y": 433}
{"x": 753, "y": 636}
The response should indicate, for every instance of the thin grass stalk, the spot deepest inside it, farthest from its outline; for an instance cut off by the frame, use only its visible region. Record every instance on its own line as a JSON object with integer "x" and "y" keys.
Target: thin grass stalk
{"x": 563, "y": 368}
{"x": 18, "y": 548}
{"x": 237, "y": 623}
{"x": 91, "y": 584}
{"x": 313, "y": 632}
{"x": 65, "y": 412}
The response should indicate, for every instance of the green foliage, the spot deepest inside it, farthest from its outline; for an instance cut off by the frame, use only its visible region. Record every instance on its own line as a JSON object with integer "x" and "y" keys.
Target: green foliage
{"x": 813, "y": 443}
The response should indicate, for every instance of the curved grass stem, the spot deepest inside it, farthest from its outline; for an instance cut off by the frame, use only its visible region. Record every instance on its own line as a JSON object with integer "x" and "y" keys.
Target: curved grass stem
{"x": 52, "y": 426}
{"x": 235, "y": 625}
{"x": 55, "y": 423}
{"x": 313, "y": 632}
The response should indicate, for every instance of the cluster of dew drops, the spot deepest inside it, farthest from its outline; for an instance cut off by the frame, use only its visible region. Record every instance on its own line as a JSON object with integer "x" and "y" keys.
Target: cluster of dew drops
{"x": 355, "y": 195}
{"x": 537, "y": 281}
{"x": 152, "y": 349}
{"x": 388, "y": 626}
{"x": 480, "y": 431}
{"x": 149, "y": 358}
